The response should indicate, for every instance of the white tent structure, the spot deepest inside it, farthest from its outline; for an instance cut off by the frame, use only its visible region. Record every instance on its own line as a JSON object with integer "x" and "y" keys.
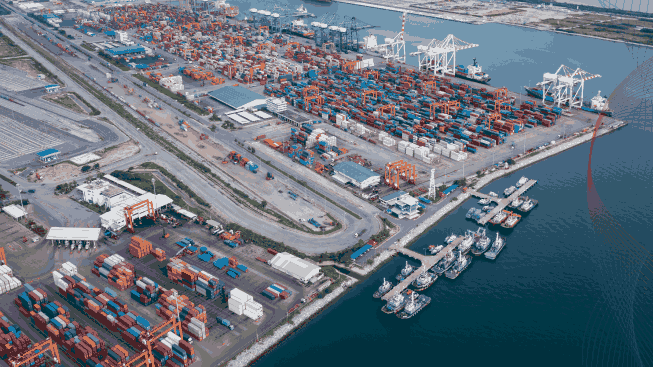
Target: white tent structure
{"x": 299, "y": 269}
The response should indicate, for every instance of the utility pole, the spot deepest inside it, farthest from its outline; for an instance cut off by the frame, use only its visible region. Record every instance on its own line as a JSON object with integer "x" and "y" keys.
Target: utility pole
{"x": 154, "y": 186}
{"x": 21, "y": 199}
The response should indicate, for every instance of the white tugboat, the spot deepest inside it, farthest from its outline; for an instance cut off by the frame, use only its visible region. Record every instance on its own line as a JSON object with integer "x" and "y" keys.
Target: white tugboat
{"x": 462, "y": 262}
{"x": 499, "y": 244}
{"x": 405, "y": 272}
{"x": 435, "y": 249}
{"x": 397, "y": 302}
{"x": 467, "y": 243}
{"x": 522, "y": 181}
{"x": 415, "y": 304}
{"x": 509, "y": 190}
{"x": 424, "y": 280}
{"x": 383, "y": 289}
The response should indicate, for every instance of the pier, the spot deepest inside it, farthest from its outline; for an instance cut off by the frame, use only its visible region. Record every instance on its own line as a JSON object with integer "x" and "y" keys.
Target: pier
{"x": 501, "y": 203}
{"x": 427, "y": 263}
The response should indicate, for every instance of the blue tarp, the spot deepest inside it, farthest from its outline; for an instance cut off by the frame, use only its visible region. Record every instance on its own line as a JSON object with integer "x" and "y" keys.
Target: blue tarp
{"x": 361, "y": 251}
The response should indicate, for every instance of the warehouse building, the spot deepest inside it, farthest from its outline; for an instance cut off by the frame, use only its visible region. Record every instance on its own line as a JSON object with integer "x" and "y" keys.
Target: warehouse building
{"x": 355, "y": 174}
{"x": 126, "y": 51}
{"x": 299, "y": 269}
{"x": 115, "y": 219}
{"x": 238, "y": 98}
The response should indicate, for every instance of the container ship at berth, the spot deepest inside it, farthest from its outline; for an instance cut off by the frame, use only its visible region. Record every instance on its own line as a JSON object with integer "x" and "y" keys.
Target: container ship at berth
{"x": 462, "y": 262}
{"x": 383, "y": 289}
{"x": 473, "y": 72}
{"x": 415, "y": 305}
{"x": 597, "y": 104}
{"x": 444, "y": 264}
{"x": 397, "y": 302}
{"x": 424, "y": 280}
{"x": 512, "y": 221}
{"x": 405, "y": 272}
{"x": 499, "y": 244}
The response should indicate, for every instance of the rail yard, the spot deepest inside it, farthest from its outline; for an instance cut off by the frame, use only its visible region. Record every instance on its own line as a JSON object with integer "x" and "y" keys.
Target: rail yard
{"x": 204, "y": 177}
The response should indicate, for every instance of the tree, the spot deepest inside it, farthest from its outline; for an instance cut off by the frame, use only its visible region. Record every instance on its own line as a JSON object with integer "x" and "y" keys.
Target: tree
{"x": 263, "y": 204}
{"x": 96, "y": 166}
{"x": 86, "y": 168}
{"x": 462, "y": 182}
{"x": 370, "y": 261}
{"x": 511, "y": 161}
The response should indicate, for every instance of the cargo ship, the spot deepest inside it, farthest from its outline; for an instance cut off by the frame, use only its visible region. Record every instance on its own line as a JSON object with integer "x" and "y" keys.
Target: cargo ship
{"x": 473, "y": 72}
{"x": 598, "y": 105}
{"x": 444, "y": 264}
{"x": 435, "y": 249}
{"x": 383, "y": 289}
{"x": 500, "y": 217}
{"x": 467, "y": 243}
{"x": 512, "y": 221}
{"x": 397, "y": 302}
{"x": 424, "y": 280}
{"x": 405, "y": 272}
{"x": 462, "y": 262}
{"x": 499, "y": 244}
{"x": 230, "y": 11}
{"x": 301, "y": 29}
{"x": 415, "y": 305}
{"x": 482, "y": 242}
{"x": 537, "y": 93}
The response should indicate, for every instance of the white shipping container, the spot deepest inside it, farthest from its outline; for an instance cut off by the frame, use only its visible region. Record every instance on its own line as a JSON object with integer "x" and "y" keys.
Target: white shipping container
{"x": 236, "y": 310}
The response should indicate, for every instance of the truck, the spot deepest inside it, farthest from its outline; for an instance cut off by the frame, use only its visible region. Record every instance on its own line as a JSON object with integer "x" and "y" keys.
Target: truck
{"x": 224, "y": 322}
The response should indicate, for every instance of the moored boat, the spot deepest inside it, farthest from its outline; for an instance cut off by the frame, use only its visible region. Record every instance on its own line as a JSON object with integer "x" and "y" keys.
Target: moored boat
{"x": 435, "y": 249}
{"x": 522, "y": 181}
{"x": 397, "y": 302}
{"x": 462, "y": 262}
{"x": 405, "y": 272}
{"x": 450, "y": 239}
{"x": 516, "y": 203}
{"x": 528, "y": 205}
{"x": 512, "y": 221}
{"x": 424, "y": 280}
{"x": 415, "y": 305}
{"x": 499, "y": 244}
{"x": 509, "y": 190}
{"x": 482, "y": 242}
{"x": 444, "y": 264}
{"x": 500, "y": 217}
{"x": 467, "y": 242}
{"x": 383, "y": 289}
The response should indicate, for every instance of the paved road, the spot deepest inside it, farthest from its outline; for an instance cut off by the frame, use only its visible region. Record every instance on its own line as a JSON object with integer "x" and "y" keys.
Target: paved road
{"x": 222, "y": 203}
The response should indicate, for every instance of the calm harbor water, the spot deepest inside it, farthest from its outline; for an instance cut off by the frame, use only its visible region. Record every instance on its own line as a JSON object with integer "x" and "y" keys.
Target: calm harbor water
{"x": 571, "y": 286}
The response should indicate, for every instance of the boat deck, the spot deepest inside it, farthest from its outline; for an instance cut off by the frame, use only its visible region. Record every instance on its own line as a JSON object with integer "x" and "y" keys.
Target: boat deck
{"x": 501, "y": 203}
{"x": 427, "y": 263}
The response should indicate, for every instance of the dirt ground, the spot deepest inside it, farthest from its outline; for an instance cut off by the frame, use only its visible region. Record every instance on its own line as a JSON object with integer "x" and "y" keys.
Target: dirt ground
{"x": 8, "y": 51}
{"x": 66, "y": 100}
{"x": 67, "y": 171}
{"x": 24, "y": 64}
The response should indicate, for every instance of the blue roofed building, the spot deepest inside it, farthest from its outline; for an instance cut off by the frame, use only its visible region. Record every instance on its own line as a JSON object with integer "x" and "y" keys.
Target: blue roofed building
{"x": 392, "y": 198}
{"x": 355, "y": 174}
{"x": 48, "y": 155}
{"x": 126, "y": 50}
{"x": 52, "y": 88}
{"x": 238, "y": 97}
{"x": 449, "y": 190}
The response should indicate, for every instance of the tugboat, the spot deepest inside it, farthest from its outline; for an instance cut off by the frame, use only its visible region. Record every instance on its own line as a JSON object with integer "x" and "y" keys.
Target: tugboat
{"x": 435, "y": 249}
{"x": 405, "y": 272}
{"x": 462, "y": 262}
{"x": 444, "y": 264}
{"x": 500, "y": 217}
{"x": 493, "y": 194}
{"x": 383, "y": 289}
{"x": 528, "y": 205}
{"x": 415, "y": 305}
{"x": 450, "y": 239}
{"x": 516, "y": 203}
{"x": 488, "y": 208}
{"x": 424, "y": 280}
{"x": 509, "y": 190}
{"x": 522, "y": 181}
{"x": 499, "y": 244}
{"x": 474, "y": 214}
{"x": 397, "y": 302}
{"x": 473, "y": 72}
{"x": 482, "y": 243}
{"x": 512, "y": 221}
{"x": 467, "y": 243}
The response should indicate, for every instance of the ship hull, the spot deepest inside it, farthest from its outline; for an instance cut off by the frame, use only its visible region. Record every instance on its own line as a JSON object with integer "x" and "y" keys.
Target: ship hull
{"x": 464, "y": 76}
{"x": 508, "y": 226}
{"x": 405, "y": 315}
{"x": 493, "y": 255}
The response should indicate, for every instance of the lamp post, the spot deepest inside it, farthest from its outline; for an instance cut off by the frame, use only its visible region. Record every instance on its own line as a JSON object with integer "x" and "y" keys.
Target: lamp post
{"x": 21, "y": 197}
{"x": 154, "y": 186}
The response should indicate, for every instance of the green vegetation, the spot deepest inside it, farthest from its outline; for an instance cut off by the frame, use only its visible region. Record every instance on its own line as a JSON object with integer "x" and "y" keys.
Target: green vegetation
{"x": 461, "y": 182}
{"x": 87, "y": 46}
{"x": 388, "y": 223}
{"x": 43, "y": 70}
{"x": 67, "y": 102}
{"x": 11, "y": 49}
{"x": 228, "y": 125}
{"x": 250, "y": 236}
{"x": 190, "y": 105}
{"x": 303, "y": 183}
{"x": 5, "y": 178}
{"x": 213, "y": 127}
{"x": 94, "y": 111}
{"x": 113, "y": 61}
{"x": 65, "y": 188}
{"x": 511, "y": 161}
{"x": 94, "y": 207}
{"x": 214, "y": 117}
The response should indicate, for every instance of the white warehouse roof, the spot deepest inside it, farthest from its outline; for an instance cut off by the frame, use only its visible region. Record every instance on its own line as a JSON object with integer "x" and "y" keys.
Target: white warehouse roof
{"x": 294, "y": 266}
{"x": 74, "y": 234}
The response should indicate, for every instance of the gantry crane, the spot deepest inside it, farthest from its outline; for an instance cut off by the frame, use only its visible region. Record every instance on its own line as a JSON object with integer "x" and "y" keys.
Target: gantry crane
{"x": 395, "y": 170}
{"x": 129, "y": 213}
{"x": 365, "y": 93}
{"x": 36, "y": 352}
{"x": 351, "y": 41}
{"x": 394, "y": 49}
{"x": 440, "y": 56}
{"x": 389, "y": 108}
{"x": 566, "y": 86}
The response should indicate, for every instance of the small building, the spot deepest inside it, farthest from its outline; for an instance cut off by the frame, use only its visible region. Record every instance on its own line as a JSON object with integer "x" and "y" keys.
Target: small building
{"x": 67, "y": 235}
{"x": 126, "y": 51}
{"x": 103, "y": 193}
{"x": 115, "y": 218}
{"x": 449, "y": 190}
{"x": 238, "y": 97}
{"x": 299, "y": 269}
{"x": 391, "y": 199}
{"x": 405, "y": 207}
{"x": 357, "y": 175}
{"x": 48, "y": 155}
{"x": 14, "y": 211}
{"x": 52, "y": 88}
